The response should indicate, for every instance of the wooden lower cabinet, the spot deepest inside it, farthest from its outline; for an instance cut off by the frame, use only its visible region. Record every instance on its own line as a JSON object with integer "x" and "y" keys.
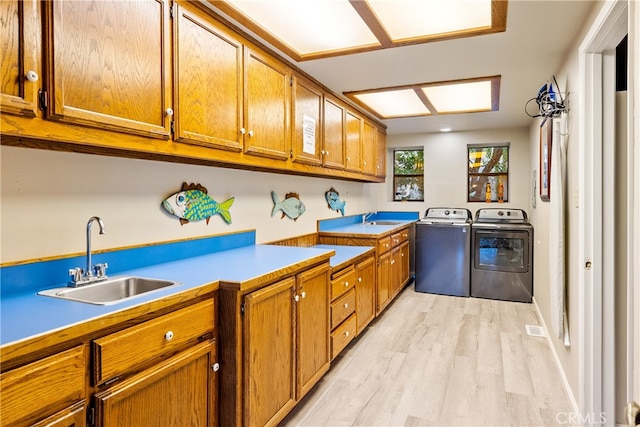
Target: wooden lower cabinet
{"x": 52, "y": 388}
{"x": 343, "y": 309}
{"x": 392, "y": 257}
{"x": 178, "y": 392}
{"x": 365, "y": 292}
{"x": 275, "y": 347}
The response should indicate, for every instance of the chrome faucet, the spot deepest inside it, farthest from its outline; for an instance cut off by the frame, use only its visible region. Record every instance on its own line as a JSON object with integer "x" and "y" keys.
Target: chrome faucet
{"x": 83, "y": 277}
{"x": 368, "y": 215}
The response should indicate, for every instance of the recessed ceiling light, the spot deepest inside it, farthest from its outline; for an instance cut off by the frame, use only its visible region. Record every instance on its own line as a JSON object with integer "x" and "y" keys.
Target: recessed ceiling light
{"x": 445, "y": 129}
{"x": 450, "y": 97}
{"x": 313, "y": 29}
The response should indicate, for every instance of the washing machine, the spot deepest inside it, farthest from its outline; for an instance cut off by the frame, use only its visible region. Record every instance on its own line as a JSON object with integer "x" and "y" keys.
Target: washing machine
{"x": 502, "y": 268}
{"x": 443, "y": 252}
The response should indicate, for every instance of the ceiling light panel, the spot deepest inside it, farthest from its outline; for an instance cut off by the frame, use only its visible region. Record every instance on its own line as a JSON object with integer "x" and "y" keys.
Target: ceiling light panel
{"x": 475, "y": 96}
{"x": 309, "y": 26}
{"x": 416, "y": 19}
{"x": 393, "y": 103}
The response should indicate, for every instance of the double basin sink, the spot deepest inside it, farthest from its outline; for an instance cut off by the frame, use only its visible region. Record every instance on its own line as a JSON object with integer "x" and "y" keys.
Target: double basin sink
{"x": 110, "y": 291}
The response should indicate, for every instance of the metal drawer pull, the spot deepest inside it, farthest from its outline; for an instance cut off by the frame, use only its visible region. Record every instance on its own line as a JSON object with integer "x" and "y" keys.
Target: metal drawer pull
{"x": 168, "y": 336}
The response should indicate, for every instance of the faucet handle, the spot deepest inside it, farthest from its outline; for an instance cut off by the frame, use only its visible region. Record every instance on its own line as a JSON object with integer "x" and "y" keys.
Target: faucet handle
{"x": 100, "y": 270}
{"x": 76, "y": 275}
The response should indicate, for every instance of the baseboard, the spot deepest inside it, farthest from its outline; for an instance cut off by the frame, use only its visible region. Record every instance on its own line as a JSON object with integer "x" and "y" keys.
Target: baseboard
{"x": 565, "y": 381}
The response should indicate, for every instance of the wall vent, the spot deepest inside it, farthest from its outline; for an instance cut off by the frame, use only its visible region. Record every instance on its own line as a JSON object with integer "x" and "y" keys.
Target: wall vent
{"x": 535, "y": 330}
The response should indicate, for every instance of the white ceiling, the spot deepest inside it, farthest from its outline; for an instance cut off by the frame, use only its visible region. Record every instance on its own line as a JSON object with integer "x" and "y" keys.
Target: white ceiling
{"x": 538, "y": 36}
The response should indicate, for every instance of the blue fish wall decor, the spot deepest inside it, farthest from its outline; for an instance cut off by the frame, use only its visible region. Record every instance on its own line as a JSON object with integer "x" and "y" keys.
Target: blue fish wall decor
{"x": 333, "y": 201}
{"x": 291, "y": 206}
{"x": 193, "y": 203}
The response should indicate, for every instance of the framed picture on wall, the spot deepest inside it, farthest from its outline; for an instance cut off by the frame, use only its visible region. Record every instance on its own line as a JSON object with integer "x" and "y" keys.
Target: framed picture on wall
{"x": 546, "y": 139}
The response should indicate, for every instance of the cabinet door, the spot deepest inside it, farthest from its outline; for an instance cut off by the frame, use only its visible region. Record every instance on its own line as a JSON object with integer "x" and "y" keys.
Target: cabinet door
{"x": 369, "y": 148}
{"x": 45, "y": 387}
{"x": 404, "y": 261}
{"x": 108, "y": 63}
{"x": 269, "y": 348}
{"x": 179, "y": 392}
{"x": 313, "y": 328}
{"x": 365, "y": 292}
{"x": 207, "y": 82}
{"x": 74, "y": 416}
{"x": 267, "y": 106}
{"x": 353, "y": 142}
{"x": 19, "y": 43}
{"x": 384, "y": 280}
{"x": 307, "y": 120}
{"x": 381, "y": 157}
{"x": 333, "y": 135}
{"x": 396, "y": 272}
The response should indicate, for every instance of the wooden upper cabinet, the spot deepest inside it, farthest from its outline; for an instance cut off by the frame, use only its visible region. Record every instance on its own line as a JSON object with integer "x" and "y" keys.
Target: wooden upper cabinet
{"x": 369, "y": 148}
{"x": 208, "y": 82}
{"x": 306, "y": 122}
{"x": 381, "y": 156}
{"x": 333, "y": 135}
{"x": 267, "y": 106}
{"x": 20, "y": 46}
{"x": 107, "y": 64}
{"x": 353, "y": 142}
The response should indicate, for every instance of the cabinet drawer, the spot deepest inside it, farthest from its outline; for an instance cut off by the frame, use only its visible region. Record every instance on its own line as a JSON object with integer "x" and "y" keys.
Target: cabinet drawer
{"x": 384, "y": 245}
{"x": 343, "y": 283}
{"x": 143, "y": 344}
{"x": 343, "y": 335}
{"x": 400, "y": 237}
{"x": 41, "y": 388}
{"x": 343, "y": 307}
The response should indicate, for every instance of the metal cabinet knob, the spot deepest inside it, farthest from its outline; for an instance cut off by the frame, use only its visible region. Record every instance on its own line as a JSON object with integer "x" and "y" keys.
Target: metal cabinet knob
{"x": 243, "y": 131}
{"x": 296, "y": 298}
{"x": 215, "y": 367}
{"x": 346, "y": 284}
{"x": 168, "y": 336}
{"x": 304, "y": 294}
{"x": 346, "y": 305}
{"x": 251, "y": 133}
{"x": 346, "y": 334}
{"x": 169, "y": 111}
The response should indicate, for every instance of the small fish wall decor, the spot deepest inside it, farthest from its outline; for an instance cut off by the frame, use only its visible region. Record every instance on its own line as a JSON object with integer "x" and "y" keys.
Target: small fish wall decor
{"x": 333, "y": 201}
{"x": 291, "y": 206}
{"x": 192, "y": 203}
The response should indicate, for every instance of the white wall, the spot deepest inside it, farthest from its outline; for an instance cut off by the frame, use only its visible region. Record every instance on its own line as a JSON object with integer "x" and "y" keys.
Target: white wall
{"x": 445, "y": 165}
{"x": 47, "y": 198}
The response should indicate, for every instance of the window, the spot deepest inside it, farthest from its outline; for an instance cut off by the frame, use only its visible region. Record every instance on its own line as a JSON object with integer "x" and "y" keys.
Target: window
{"x": 408, "y": 175}
{"x": 488, "y": 173}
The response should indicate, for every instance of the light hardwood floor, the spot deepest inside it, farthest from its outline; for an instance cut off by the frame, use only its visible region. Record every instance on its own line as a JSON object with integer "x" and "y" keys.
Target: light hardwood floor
{"x": 434, "y": 360}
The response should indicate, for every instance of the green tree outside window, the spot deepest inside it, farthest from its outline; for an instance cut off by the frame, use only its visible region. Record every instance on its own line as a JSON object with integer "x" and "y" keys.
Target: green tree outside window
{"x": 488, "y": 173}
{"x": 408, "y": 175}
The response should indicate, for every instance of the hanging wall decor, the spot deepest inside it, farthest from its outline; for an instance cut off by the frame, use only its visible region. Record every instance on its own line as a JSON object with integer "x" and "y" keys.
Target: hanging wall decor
{"x": 333, "y": 201}
{"x": 291, "y": 206}
{"x": 192, "y": 203}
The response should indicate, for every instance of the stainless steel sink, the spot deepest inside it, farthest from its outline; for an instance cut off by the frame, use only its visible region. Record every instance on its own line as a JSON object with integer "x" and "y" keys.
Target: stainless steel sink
{"x": 383, "y": 223}
{"x": 110, "y": 291}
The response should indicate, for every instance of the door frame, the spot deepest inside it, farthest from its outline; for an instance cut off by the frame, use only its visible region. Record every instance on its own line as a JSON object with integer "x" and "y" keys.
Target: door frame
{"x": 595, "y": 220}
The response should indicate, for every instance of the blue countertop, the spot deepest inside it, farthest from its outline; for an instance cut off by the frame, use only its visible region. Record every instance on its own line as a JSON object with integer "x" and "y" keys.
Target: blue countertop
{"x": 345, "y": 254}
{"x": 25, "y": 315}
{"x": 354, "y": 225}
